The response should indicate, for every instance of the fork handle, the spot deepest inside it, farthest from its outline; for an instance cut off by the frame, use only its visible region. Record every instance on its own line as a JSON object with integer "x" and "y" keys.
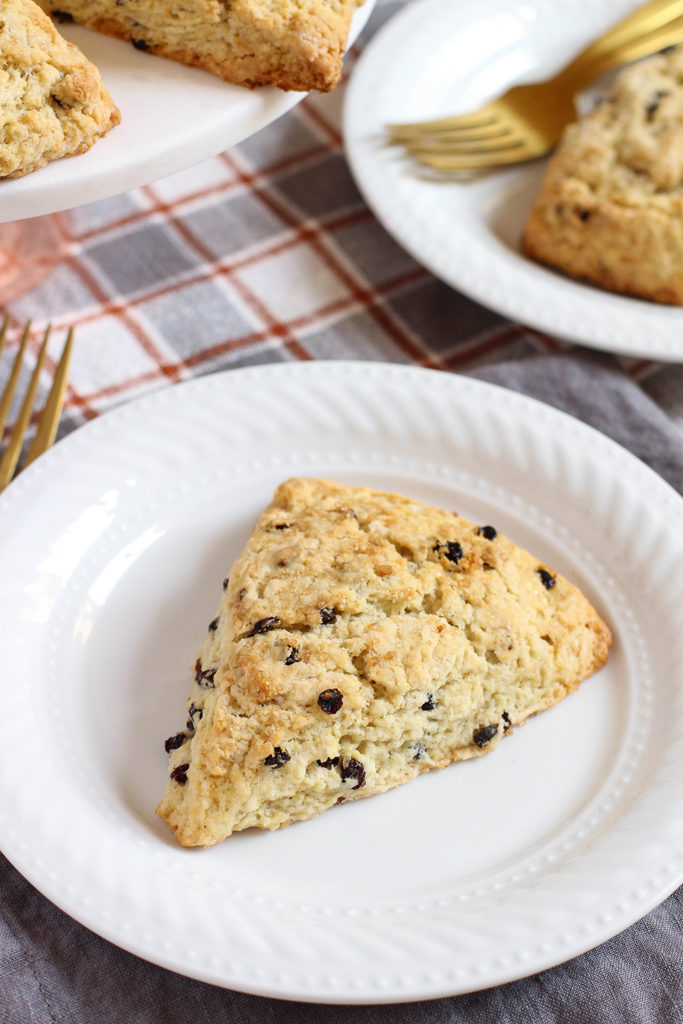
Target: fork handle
{"x": 638, "y": 47}
{"x": 635, "y": 27}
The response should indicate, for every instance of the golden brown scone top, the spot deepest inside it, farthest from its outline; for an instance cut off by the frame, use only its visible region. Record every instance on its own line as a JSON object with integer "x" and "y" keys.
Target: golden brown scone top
{"x": 291, "y": 44}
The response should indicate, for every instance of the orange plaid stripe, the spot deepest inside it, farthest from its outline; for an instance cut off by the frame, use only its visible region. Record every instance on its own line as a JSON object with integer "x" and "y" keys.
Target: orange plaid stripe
{"x": 264, "y": 253}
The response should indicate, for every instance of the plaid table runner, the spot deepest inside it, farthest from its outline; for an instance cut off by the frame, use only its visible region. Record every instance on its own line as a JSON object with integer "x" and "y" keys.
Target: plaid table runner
{"x": 264, "y": 253}
{"x": 267, "y": 253}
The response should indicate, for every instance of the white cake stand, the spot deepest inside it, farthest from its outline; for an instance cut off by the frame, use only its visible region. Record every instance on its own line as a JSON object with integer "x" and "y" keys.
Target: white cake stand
{"x": 172, "y": 118}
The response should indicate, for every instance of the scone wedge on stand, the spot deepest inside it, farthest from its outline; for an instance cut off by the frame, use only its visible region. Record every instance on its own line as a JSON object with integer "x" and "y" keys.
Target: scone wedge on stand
{"x": 363, "y": 638}
{"x": 53, "y": 102}
{"x": 292, "y": 44}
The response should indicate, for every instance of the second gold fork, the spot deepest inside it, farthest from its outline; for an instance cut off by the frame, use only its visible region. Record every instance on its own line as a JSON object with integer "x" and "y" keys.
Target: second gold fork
{"x": 528, "y": 120}
{"x": 49, "y": 419}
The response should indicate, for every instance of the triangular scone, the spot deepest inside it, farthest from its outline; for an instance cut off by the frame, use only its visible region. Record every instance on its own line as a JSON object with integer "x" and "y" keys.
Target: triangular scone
{"x": 52, "y": 100}
{"x": 364, "y": 638}
{"x": 294, "y": 44}
{"x": 610, "y": 209}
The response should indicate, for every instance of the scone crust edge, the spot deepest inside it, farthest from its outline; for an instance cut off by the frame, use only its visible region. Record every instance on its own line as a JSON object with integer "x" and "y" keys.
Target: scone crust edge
{"x": 303, "y": 54}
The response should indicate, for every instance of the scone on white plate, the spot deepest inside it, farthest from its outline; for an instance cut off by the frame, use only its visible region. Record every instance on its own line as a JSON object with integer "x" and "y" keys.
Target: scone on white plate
{"x": 52, "y": 100}
{"x": 610, "y": 208}
{"x": 293, "y": 44}
{"x": 363, "y": 638}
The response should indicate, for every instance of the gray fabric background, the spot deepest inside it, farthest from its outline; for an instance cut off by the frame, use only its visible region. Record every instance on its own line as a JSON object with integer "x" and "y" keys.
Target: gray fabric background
{"x": 53, "y": 971}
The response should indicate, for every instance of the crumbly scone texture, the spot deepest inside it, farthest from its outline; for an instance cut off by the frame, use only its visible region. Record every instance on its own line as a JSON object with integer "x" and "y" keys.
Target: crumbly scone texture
{"x": 363, "y": 638}
{"x": 293, "y": 44}
{"x": 52, "y": 100}
{"x": 610, "y": 209}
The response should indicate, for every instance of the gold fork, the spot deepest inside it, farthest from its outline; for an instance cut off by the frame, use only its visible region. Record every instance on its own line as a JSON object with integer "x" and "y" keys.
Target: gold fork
{"x": 49, "y": 418}
{"x": 528, "y": 120}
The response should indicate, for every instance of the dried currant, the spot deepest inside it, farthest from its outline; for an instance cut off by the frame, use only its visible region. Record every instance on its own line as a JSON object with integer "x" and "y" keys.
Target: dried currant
{"x": 225, "y": 582}
{"x": 653, "y": 105}
{"x": 265, "y": 625}
{"x": 418, "y": 752}
{"x": 191, "y": 712}
{"x": 489, "y": 532}
{"x": 293, "y": 656}
{"x": 282, "y": 526}
{"x": 213, "y": 625}
{"x": 277, "y": 758}
{"x": 353, "y": 769}
{"x": 484, "y": 734}
{"x": 330, "y": 763}
{"x": 140, "y": 44}
{"x": 327, "y": 615}
{"x": 451, "y": 550}
{"x": 508, "y": 721}
{"x": 179, "y": 773}
{"x": 430, "y": 703}
{"x": 173, "y": 742}
{"x": 204, "y": 677}
{"x": 330, "y": 701}
{"x": 547, "y": 578}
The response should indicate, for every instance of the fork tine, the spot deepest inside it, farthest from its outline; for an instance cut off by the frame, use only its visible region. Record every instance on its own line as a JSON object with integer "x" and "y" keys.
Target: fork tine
{"x": 11, "y": 457}
{"x": 456, "y": 138}
{"x": 482, "y": 118}
{"x": 476, "y": 161}
{"x": 8, "y": 393}
{"x": 3, "y": 333}
{"x": 49, "y": 418}
{"x": 435, "y": 147}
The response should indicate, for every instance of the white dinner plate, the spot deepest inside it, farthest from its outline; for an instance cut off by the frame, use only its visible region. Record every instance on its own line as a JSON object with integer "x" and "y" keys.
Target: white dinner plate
{"x": 114, "y": 546}
{"x": 172, "y": 117}
{"x": 435, "y": 58}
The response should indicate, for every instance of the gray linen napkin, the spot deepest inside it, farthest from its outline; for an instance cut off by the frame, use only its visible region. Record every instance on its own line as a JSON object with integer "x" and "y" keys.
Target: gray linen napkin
{"x": 54, "y": 971}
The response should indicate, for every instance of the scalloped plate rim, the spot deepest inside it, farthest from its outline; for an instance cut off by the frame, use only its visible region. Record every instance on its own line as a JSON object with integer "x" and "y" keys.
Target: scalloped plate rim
{"x": 301, "y": 375}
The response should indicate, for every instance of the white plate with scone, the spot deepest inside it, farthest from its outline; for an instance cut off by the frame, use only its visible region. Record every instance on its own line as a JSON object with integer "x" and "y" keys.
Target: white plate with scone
{"x": 114, "y": 547}
{"x": 469, "y": 233}
{"x": 172, "y": 117}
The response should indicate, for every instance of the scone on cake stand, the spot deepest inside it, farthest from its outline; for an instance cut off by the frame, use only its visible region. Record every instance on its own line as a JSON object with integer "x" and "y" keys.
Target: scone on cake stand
{"x": 53, "y": 104}
{"x": 175, "y": 115}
